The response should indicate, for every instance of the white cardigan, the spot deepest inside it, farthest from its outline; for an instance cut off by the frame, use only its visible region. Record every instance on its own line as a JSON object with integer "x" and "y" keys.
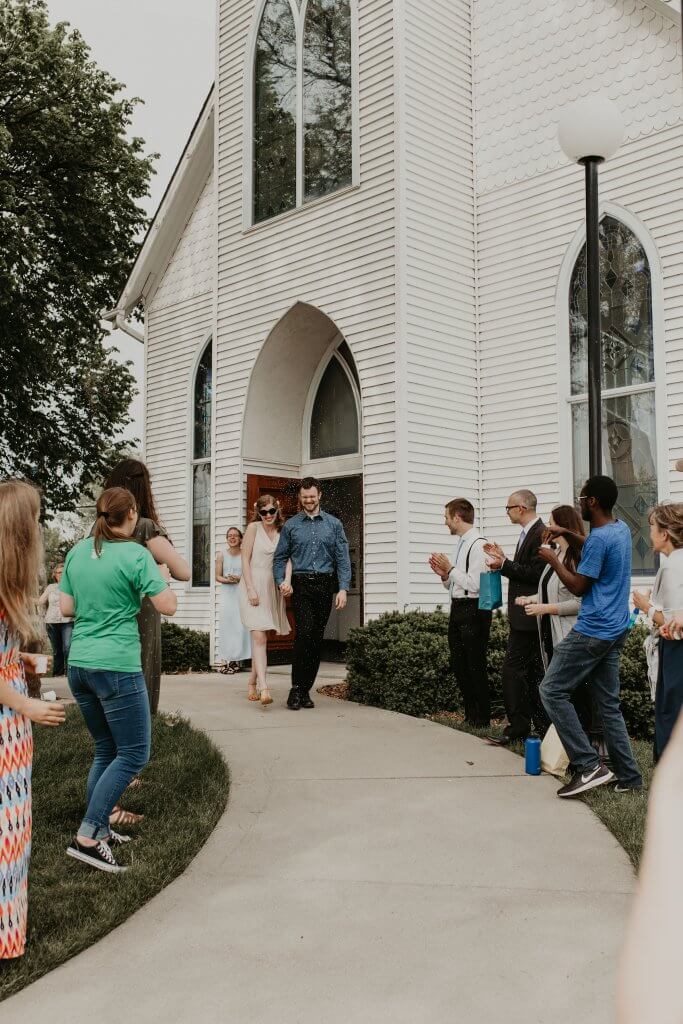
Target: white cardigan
{"x": 567, "y": 609}
{"x": 667, "y": 590}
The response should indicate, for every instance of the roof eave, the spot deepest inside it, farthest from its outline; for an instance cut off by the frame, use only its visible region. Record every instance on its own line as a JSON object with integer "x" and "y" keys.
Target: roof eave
{"x": 173, "y": 212}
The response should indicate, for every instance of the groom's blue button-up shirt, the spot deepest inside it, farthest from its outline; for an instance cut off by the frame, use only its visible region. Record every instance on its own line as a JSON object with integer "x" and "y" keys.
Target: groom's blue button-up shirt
{"x": 314, "y": 544}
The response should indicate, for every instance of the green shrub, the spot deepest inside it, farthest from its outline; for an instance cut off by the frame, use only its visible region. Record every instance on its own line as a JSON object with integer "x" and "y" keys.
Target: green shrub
{"x": 401, "y": 662}
{"x": 183, "y": 650}
{"x": 636, "y": 702}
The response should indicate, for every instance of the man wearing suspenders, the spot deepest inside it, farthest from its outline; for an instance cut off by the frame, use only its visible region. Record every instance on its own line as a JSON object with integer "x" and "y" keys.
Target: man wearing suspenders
{"x": 468, "y": 627}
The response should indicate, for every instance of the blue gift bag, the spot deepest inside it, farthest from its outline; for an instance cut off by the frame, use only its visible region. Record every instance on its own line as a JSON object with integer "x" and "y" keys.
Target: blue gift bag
{"x": 490, "y": 591}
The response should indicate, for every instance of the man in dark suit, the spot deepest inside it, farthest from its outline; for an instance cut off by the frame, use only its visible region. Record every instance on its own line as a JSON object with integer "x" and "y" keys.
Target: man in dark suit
{"x": 522, "y": 668}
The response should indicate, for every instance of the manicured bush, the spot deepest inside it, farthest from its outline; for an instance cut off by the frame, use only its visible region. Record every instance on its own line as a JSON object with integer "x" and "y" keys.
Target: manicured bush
{"x": 401, "y": 662}
{"x": 183, "y": 650}
{"x": 636, "y": 702}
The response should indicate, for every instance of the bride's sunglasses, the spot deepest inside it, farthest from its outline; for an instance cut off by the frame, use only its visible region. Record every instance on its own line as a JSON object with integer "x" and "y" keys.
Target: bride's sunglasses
{"x": 268, "y": 512}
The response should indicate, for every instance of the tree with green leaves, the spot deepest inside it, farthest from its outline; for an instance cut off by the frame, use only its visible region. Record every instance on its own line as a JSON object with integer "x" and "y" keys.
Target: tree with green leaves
{"x": 70, "y": 184}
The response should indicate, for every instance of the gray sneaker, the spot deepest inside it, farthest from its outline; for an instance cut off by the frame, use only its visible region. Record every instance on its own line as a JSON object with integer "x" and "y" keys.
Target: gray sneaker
{"x": 581, "y": 782}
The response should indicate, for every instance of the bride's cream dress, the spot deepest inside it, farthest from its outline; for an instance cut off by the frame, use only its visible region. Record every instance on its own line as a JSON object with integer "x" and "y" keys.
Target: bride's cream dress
{"x": 270, "y": 612}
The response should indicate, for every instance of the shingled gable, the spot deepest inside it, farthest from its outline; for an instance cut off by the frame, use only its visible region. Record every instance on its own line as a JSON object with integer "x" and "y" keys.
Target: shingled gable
{"x": 173, "y": 212}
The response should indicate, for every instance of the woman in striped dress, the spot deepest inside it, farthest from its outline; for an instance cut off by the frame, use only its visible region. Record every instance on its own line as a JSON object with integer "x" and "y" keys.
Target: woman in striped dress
{"x": 20, "y": 559}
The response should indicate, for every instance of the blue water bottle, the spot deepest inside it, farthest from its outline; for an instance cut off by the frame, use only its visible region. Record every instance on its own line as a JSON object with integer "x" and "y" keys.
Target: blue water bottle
{"x": 532, "y": 756}
{"x": 633, "y": 618}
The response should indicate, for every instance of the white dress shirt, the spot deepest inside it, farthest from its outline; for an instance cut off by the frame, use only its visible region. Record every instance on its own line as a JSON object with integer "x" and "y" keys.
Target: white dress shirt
{"x": 461, "y": 583}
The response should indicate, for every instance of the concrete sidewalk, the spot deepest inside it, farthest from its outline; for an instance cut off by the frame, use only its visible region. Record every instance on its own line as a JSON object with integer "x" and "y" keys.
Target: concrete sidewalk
{"x": 370, "y": 868}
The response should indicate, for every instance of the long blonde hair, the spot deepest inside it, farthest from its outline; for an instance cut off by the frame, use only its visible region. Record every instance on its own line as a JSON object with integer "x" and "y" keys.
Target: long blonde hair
{"x": 21, "y": 555}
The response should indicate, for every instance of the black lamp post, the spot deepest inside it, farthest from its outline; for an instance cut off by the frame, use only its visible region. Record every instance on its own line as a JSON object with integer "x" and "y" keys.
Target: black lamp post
{"x": 591, "y": 131}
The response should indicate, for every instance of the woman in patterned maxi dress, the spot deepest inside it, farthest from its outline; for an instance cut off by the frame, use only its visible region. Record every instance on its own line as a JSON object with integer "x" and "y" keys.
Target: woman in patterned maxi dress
{"x": 20, "y": 557}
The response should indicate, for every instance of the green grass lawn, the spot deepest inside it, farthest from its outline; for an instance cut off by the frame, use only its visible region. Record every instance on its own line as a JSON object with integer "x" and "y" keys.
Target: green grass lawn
{"x": 72, "y": 905}
{"x": 622, "y": 813}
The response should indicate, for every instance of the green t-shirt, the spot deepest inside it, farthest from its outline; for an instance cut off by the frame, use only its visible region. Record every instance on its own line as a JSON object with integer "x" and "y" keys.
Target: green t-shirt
{"x": 108, "y": 592}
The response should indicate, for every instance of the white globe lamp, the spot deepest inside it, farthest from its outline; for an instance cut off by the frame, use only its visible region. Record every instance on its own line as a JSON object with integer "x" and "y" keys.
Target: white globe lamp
{"x": 591, "y": 127}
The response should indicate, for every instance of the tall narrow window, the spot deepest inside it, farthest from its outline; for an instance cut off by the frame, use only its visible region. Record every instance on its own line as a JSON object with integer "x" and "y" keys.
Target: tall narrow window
{"x": 201, "y": 472}
{"x": 334, "y": 420}
{"x": 303, "y": 111}
{"x": 327, "y": 97}
{"x": 628, "y": 379}
{"x": 275, "y": 101}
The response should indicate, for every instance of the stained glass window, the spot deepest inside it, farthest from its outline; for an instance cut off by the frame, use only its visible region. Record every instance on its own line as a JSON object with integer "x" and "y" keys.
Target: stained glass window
{"x": 302, "y": 67}
{"x": 334, "y": 421}
{"x": 201, "y": 472}
{"x": 275, "y": 101}
{"x": 327, "y": 97}
{"x": 629, "y": 442}
{"x": 202, "y": 407}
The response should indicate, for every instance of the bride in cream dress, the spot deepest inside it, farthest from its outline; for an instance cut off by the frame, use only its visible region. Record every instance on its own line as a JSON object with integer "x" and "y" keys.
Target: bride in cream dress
{"x": 262, "y": 606}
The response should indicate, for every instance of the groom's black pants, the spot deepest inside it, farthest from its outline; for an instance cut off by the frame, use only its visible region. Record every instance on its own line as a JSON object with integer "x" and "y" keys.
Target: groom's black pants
{"x": 311, "y": 604}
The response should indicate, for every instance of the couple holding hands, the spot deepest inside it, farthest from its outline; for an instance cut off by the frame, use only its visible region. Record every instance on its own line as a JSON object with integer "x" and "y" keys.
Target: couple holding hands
{"x": 307, "y": 558}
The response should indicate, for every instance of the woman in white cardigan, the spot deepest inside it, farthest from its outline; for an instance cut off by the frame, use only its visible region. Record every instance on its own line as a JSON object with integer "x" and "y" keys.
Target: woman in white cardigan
{"x": 554, "y": 607}
{"x": 665, "y": 655}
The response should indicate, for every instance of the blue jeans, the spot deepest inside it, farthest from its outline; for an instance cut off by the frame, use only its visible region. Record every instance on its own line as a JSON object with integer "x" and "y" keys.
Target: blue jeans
{"x": 60, "y": 641}
{"x": 579, "y": 659}
{"x": 115, "y": 707}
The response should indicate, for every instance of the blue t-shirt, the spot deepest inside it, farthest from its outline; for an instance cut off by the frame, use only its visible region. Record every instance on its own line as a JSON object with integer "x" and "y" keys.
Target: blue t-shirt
{"x": 606, "y": 558}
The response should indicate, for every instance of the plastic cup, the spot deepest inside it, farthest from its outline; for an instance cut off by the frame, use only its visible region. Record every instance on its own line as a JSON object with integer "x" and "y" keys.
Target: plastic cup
{"x": 40, "y": 661}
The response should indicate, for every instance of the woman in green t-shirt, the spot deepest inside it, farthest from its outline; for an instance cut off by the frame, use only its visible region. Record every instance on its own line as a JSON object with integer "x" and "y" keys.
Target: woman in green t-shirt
{"x": 105, "y": 579}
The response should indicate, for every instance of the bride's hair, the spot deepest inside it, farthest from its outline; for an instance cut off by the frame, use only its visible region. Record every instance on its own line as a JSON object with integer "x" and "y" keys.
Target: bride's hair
{"x": 268, "y": 501}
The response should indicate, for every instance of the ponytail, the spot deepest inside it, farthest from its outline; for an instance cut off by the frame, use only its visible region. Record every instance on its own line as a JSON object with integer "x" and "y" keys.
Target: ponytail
{"x": 113, "y": 506}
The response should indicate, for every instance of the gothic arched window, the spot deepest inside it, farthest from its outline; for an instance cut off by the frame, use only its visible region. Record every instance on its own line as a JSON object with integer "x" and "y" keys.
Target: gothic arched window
{"x": 275, "y": 107}
{"x": 303, "y": 111}
{"x": 334, "y": 419}
{"x": 328, "y": 131}
{"x": 201, "y": 471}
{"x": 628, "y": 380}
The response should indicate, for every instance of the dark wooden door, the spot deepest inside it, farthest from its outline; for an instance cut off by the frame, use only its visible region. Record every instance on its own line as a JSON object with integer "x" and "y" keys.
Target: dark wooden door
{"x": 285, "y": 491}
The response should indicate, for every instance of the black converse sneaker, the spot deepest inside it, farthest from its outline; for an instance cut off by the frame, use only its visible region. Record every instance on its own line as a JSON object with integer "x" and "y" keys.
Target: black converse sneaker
{"x": 99, "y": 856}
{"x": 581, "y": 782}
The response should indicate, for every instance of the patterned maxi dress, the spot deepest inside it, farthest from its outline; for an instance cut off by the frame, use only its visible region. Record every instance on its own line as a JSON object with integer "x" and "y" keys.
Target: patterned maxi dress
{"x": 16, "y": 755}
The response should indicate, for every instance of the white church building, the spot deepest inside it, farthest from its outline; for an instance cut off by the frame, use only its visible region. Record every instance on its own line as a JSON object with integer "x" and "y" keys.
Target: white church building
{"x": 368, "y": 266}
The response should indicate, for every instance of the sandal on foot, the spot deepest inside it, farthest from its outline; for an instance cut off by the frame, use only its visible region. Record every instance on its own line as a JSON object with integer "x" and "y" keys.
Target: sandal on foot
{"x": 124, "y": 819}
{"x": 265, "y": 698}
{"x": 252, "y": 695}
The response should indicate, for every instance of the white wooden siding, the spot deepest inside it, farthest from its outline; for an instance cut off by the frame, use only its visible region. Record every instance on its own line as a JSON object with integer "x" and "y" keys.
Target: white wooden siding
{"x": 530, "y": 59}
{"x": 337, "y": 255}
{"x": 438, "y": 315}
{"x": 179, "y": 321}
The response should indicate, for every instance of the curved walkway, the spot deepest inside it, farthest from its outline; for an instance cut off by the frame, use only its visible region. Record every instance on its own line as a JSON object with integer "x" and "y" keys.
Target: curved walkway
{"x": 370, "y": 868}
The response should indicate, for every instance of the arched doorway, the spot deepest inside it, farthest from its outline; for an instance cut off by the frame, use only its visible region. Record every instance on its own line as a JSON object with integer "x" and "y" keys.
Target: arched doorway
{"x": 303, "y": 417}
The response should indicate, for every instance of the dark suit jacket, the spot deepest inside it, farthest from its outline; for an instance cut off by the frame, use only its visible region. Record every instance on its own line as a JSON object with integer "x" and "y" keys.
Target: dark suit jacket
{"x": 524, "y": 572}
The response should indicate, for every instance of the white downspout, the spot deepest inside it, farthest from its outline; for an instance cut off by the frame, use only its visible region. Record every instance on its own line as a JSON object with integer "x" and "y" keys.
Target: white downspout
{"x": 118, "y": 318}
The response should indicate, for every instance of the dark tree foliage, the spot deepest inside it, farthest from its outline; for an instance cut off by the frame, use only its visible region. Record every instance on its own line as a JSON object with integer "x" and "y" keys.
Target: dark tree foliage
{"x": 70, "y": 181}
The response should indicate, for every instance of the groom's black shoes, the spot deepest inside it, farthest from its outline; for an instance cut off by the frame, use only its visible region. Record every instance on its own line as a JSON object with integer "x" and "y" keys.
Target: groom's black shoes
{"x": 294, "y": 700}
{"x": 306, "y": 701}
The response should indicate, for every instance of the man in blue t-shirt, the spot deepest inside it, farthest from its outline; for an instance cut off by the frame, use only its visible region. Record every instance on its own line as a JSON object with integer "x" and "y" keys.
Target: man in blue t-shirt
{"x": 590, "y": 653}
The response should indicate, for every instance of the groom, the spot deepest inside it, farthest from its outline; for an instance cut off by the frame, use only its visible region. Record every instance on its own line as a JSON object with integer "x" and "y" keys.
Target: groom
{"x": 317, "y": 546}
